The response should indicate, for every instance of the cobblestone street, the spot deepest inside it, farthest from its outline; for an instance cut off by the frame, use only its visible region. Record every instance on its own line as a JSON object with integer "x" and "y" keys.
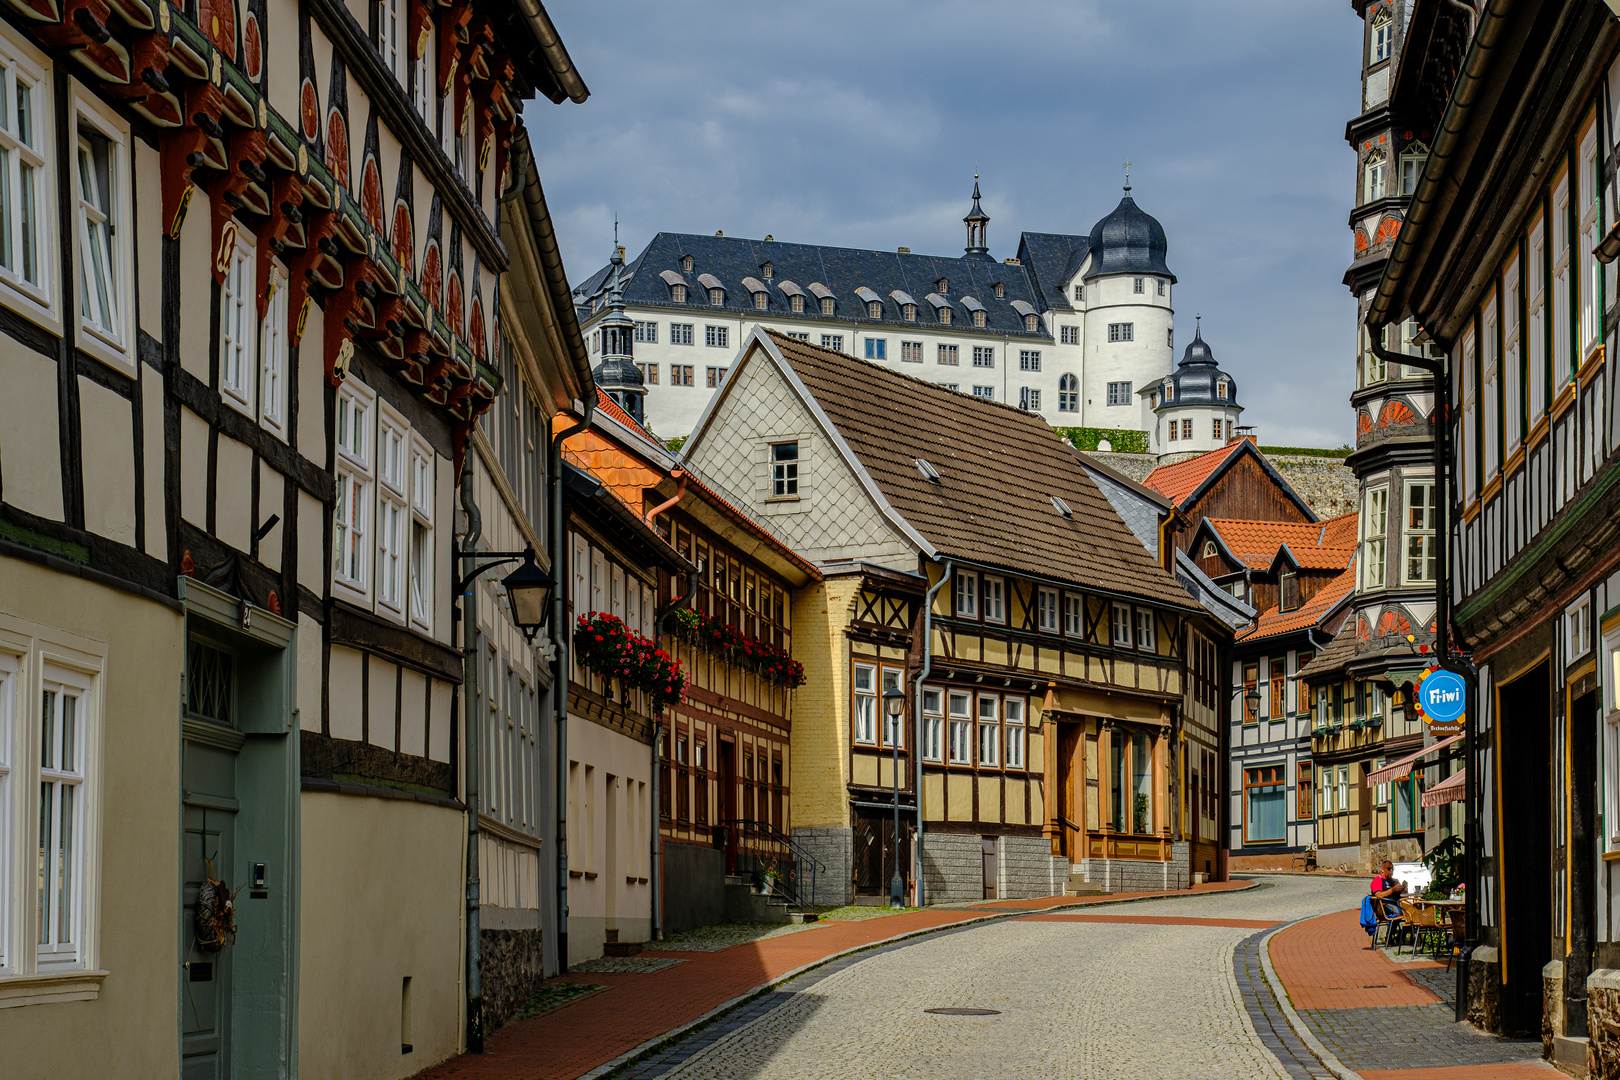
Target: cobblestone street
{"x": 1140, "y": 990}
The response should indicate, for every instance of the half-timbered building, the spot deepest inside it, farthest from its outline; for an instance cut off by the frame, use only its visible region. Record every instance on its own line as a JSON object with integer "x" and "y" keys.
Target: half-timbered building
{"x": 1501, "y": 261}
{"x": 248, "y": 288}
{"x": 971, "y": 567}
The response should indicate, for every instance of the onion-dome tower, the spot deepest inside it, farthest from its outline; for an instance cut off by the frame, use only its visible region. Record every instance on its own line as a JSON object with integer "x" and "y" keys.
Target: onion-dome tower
{"x": 617, "y": 374}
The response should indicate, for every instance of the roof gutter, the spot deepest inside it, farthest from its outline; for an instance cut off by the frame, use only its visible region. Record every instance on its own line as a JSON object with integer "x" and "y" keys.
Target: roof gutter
{"x": 562, "y": 65}
{"x": 1435, "y": 182}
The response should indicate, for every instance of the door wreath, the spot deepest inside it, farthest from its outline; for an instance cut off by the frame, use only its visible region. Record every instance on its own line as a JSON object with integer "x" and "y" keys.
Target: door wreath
{"x": 216, "y": 913}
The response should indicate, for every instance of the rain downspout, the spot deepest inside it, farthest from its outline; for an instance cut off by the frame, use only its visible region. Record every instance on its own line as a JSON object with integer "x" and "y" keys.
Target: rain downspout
{"x": 561, "y": 637}
{"x": 469, "y": 758}
{"x": 922, "y": 676}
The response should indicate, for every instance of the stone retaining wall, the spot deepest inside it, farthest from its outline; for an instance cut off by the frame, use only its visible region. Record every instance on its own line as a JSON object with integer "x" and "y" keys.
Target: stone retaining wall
{"x": 953, "y": 868}
{"x": 1024, "y": 864}
{"x": 512, "y": 969}
{"x": 1135, "y": 875}
{"x": 1603, "y": 1024}
{"x": 834, "y": 846}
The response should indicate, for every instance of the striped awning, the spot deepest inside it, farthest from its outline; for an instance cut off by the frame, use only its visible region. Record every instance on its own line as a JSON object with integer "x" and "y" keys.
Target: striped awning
{"x": 1404, "y": 765}
{"x": 1446, "y": 791}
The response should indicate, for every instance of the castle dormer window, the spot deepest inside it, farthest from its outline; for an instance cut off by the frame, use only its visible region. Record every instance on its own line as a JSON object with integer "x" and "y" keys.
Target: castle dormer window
{"x": 908, "y": 306}
{"x": 1001, "y": 291}
{"x": 677, "y": 287}
{"x": 873, "y": 302}
{"x": 945, "y": 316}
{"x": 943, "y": 286}
{"x": 979, "y": 319}
{"x": 677, "y": 293}
{"x": 686, "y": 263}
{"x": 829, "y": 302}
{"x": 975, "y": 310}
{"x": 1169, "y": 392}
{"x": 1031, "y": 323}
{"x": 769, "y": 270}
{"x": 756, "y": 289}
{"x": 1220, "y": 390}
{"x": 909, "y": 312}
{"x": 795, "y": 296}
{"x": 717, "y": 290}
{"x": 796, "y": 303}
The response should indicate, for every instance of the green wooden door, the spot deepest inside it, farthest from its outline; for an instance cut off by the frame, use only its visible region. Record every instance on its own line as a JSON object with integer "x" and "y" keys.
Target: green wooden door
{"x": 208, "y": 842}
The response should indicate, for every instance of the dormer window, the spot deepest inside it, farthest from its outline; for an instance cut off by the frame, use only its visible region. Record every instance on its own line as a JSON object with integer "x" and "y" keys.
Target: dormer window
{"x": 796, "y": 303}
{"x": 1001, "y": 291}
{"x": 717, "y": 297}
{"x": 827, "y": 306}
{"x": 1031, "y": 323}
{"x": 1209, "y": 549}
{"x": 874, "y": 309}
{"x": 759, "y": 301}
{"x": 1288, "y": 590}
{"x": 945, "y": 316}
{"x": 978, "y": 318}
{"x": 943, "y": 286}
{"x": 677, "y": 293}
{"x": 1153, "y": 400}
{"x": 769, "y": 270}
{"x": 1220, "y": 390}
{"x": 756, "y": 289}
{"x": 1169, "y": 393}
{"x": 686, "y": 263}
{"x": 1080, "y": 293}
{"x": 908, "y": 312}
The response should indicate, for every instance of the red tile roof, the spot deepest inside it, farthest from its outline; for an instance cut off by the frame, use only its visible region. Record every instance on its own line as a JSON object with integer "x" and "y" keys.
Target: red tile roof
{"x": 1273, "y": 622}
{"x": 1327, "y": 545}
{"x": 1176, "y": 482}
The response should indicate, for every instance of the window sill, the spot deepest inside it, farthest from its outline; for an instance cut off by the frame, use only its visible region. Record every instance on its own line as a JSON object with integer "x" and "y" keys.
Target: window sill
{"x": 17, "y": 991}
{"x": 782, "y": 499}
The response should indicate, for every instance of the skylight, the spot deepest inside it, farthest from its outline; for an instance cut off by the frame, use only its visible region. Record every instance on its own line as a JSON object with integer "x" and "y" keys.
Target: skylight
{"x": 1062, "y": 507}
{"x": 930, "y": 473}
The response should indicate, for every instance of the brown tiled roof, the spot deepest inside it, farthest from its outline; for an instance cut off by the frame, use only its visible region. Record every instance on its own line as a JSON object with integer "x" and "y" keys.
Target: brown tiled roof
{"x": 1331, "y": 660}
{"x": 999, "y": 469}
{"x": 1327, "y": 545}
{"x": 1273, "y": 622}
{"x": 1176, "y": 482}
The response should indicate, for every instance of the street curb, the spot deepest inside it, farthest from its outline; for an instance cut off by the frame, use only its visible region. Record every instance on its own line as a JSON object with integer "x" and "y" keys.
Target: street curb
{"x": 1295, "y": 1021}
{"x": 675, "y": 1034}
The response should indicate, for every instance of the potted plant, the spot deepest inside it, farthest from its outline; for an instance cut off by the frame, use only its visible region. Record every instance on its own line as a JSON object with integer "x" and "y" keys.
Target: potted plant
{"x": 1445, "y": 863}
{"x": 765, "y": 878}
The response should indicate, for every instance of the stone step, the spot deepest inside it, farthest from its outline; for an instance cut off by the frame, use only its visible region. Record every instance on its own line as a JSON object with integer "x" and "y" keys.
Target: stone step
{"x": 1569, "y": 1053}
{"x": 622, "y": 948}
{"x": 1077, "y": 886}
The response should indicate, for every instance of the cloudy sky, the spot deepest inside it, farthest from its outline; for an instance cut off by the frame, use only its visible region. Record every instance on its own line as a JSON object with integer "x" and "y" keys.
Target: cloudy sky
{"x": 861, "y": 122}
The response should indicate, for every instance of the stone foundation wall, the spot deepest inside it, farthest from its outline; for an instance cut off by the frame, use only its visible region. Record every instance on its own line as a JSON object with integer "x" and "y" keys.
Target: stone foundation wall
{"x": 953, "y": 868}
{"x": 834, "y": 846}
{"x": 1552, "y": 1005}
{"x": 512, "y": 969}
{"x": 1133, "y": 875}
{"x": 1484, "y": 989}
{"x": 1024, "y": 864}
{"x": 1603, "y": 1024}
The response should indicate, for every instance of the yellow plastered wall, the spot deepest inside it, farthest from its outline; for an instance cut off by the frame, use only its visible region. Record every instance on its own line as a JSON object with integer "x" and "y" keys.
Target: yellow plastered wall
{"x": 381, "y": 899}
{"x": 820, "y": 740}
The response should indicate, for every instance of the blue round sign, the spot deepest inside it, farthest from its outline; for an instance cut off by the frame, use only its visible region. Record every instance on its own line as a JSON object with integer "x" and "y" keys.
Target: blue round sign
{"x": 1444, "y": 695}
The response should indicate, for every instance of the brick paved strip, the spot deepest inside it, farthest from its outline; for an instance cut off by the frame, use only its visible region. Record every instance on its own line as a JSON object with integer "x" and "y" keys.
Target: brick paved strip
{"x": 1157, "y": 920}
{"x": 1325, "y": 964}
{"x": 636, "y": 1014}
{"x": 1267, "y": 1015}
{"x": 1519, "y": 1070}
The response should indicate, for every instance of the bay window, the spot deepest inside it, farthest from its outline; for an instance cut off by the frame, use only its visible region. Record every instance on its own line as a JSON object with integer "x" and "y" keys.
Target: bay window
{"x": 421, "y": 549}
{"x": 392, "y": 451}
{"x": 1419, "y": 532}
{"x": 1374, "y": 531}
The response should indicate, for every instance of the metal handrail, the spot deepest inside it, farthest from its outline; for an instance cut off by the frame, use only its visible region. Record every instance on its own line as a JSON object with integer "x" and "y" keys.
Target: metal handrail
{"x": 803, "y": 863}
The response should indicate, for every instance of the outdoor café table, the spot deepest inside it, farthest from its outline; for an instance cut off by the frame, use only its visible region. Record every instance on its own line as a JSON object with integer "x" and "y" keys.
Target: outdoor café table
{"x": 1446, "y": 912}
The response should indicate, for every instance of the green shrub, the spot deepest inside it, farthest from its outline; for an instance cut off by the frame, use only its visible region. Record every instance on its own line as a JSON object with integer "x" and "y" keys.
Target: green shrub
{"x": 1120, "y": 440}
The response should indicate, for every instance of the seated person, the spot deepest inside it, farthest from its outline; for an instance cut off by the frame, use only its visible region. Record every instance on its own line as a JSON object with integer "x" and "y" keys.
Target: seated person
{"x": 1386, "y": 885}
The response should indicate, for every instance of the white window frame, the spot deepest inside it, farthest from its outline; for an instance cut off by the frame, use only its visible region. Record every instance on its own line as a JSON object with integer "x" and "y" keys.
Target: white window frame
{"x": 1074, "y": 615}
{"x": 1409, "y": 534}
{"x": 1374, "y": 177}
{"x": 993, "y": 599}
{"x": 34, "y": 659}
{"x": 1014, "y": 711}
{"x": 1382, "y": 38}
{"x": 392, "y": 29}
{"x": 967, "y": 594}
{"x": 351, "y": 513}
{"x": 1123, "y": 632}
{"x": 239, "y": 325}
{"x": 1147, "y": 635}
{"x": 36, "y": 300}
{"x": 424, "y": 76}
{"x": 1577, "y": 630}
{"x": 1068, "y": 393}
{"x": 1046, "y": 610}
{"x": 113, "y": 345}
{"x": 393, "y": 474}
{"x": 1375, "y": 537}
{"x": 863, "y": 703}
{"x": 959, "y": 727}
{"x": 420, "y": 553}
{"x": 933, "y": 710}
{"x": 273, "y": 356}
{"x": 1029, "y": 359}
{"x": 784, "y": 475}
{"x": 987, "y": 732}
{"x": 891, "y": 731}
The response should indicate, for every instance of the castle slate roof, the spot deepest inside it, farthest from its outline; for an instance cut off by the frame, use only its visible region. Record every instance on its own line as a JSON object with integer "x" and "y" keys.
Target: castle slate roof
{"x": 1051, "y": 259}
{"x": 842, "y": 271}
{"x": 1128, "y": 241}
{"x": 999, "y": 469}
{"x": 1196, "y": 378}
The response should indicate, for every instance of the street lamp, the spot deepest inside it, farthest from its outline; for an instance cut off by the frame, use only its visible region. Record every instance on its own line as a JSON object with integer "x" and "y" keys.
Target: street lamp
{"x": 1252, "y": 700}
{"x": 528, "y": 588}
{"x": 894, "y": 706}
